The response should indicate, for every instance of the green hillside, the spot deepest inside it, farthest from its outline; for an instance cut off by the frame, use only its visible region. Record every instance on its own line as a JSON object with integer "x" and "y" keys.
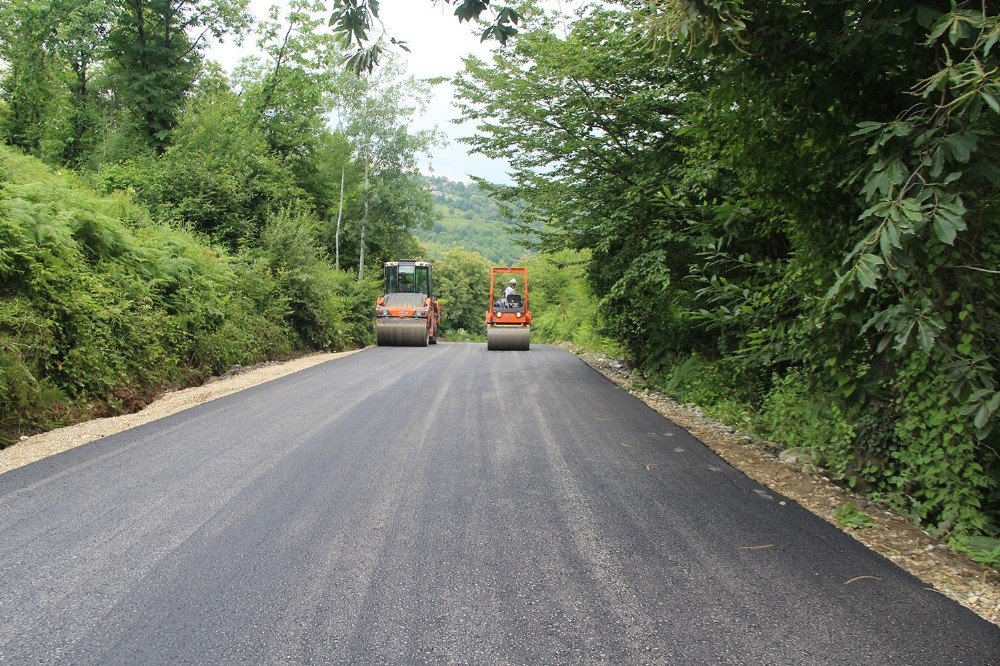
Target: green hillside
{"x": 102, "y": 306}
{"x": 470, "y": 220}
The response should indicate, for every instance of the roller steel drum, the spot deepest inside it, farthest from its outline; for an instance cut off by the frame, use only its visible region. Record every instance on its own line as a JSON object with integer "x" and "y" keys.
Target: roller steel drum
{"x": 508, "y": 339}
{"x": 401, "y": 332}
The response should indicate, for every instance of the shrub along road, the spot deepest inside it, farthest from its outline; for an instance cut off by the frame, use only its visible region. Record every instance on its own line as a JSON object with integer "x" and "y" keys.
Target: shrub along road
{"x": 406, "y": 505}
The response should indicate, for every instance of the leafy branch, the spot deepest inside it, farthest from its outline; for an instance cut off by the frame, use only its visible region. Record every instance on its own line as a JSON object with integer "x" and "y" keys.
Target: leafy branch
{"x": 355, "y": 21}
{"x": 919, "y": 167}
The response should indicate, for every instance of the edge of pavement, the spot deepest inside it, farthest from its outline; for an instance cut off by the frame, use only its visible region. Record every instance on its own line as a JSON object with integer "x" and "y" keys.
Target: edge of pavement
{"x": 37, "y": 447}
{"x": 973, "y": 585}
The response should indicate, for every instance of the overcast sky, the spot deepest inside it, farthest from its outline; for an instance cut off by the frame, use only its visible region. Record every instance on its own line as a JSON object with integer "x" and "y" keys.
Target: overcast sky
{"x": 437, "y": 43}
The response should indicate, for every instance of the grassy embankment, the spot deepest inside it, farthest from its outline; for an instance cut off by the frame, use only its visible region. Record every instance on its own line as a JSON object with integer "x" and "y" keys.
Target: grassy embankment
{"x": 102, "y": 307}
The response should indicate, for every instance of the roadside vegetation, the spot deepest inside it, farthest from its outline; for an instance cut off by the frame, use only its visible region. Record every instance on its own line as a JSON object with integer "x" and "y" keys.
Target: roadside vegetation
{"x": 103, "y": 306}
{"x": 162, "y": 221}
{"x": 789, "y": 212}
{"x": 563, "y": 306}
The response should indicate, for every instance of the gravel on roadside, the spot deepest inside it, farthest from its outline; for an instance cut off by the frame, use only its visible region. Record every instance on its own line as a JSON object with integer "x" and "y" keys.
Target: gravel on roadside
{"x": 37, "y": 447}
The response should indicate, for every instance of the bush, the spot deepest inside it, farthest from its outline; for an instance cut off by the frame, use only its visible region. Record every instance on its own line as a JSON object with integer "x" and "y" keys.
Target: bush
{"x": 219, "y": 176}
{"x": 562, "y": 305}
{"x": 101, "y": 307}
{"x": 462, "y": 283}
{"x": 694, "y": 380}
{"x": 798, "y": 414}
{"x": 329, "y": 309}
{"x": 939, "y": 467}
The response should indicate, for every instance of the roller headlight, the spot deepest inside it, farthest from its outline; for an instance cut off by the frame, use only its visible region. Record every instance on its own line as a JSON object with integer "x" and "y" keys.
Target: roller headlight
{"x": 518, "y": 314}
{"x": 420, "y": 313}
{"x": 381, "y": 312}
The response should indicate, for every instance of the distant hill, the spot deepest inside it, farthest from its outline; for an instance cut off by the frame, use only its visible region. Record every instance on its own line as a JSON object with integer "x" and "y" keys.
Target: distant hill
{"x": 469, "y": 220}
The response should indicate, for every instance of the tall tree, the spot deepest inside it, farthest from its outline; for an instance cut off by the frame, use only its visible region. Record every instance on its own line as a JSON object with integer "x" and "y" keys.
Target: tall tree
{"x": 290, "y": 89}
{"x": 377, "y": 123}
{"x": 157, "y": 46}
{"x": 30, "y": 80}
{"x": 462, "y": 278}
{"x": 79, "y": 39}
{"x": 587, "y": 138}
{"x": 290, "y": 92}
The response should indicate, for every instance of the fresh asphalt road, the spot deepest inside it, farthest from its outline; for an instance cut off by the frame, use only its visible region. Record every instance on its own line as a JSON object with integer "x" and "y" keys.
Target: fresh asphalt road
{"x": 444, "y": 504}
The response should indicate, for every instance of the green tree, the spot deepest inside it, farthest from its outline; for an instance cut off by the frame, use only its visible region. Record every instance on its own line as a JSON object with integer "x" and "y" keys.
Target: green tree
{"x": 79, "y": 40}
{"x": 289, "y": 93}
{"x": 586, "y": 136}
{"x": 393, "y": 198}
{"x": 30, "y": 81}
{"x": 291, "y": 89}
{"x": 156, "y": 46}
{"x": 462, "y": 284}
{"x": 219, "y": 175}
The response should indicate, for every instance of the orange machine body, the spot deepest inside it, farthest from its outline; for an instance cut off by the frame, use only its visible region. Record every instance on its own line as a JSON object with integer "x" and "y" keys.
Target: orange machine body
{"x": 508, "y": 321}
{"x": 407, "y": 313}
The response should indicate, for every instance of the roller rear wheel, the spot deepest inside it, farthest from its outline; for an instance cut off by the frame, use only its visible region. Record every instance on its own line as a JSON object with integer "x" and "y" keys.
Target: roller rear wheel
{"x": 508, "y": 339}
{"x": 402, "y": 335}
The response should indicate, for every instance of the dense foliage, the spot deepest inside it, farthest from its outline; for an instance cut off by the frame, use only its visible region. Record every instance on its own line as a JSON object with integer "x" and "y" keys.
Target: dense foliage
{"x": 791, "y": 209}
{"x": 230, "y": 201}
{"x": 103, "y": 306}
{"x": 462, "y": 278}
{"x": 563, "y": 307}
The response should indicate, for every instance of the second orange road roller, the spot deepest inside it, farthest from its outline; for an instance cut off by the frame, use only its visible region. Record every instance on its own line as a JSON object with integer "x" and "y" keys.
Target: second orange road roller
{"x": 407, "y": 314}
{"x": 508, "y": 319}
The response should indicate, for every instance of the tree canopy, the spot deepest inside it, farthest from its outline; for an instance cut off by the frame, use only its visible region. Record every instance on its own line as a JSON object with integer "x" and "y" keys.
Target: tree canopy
{"x": 362, "y": 31}
{"x": 785, "y": 188}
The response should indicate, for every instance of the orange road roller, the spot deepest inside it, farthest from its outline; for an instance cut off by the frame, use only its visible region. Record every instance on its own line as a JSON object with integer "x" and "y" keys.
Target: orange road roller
{"x": 407, "y": 314}
{"x": 508, "y": 319}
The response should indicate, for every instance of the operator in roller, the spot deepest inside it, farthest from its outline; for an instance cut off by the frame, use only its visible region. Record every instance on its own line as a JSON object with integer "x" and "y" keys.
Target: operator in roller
{"x": 511, "y": 289}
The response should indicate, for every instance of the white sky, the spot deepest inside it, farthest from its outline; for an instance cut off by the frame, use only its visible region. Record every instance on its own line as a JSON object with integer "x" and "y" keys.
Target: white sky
{"x": 437, "y": 43}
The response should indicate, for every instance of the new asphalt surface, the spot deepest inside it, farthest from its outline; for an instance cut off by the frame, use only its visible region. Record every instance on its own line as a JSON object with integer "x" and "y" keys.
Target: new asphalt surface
{"x": 442, "y": 504}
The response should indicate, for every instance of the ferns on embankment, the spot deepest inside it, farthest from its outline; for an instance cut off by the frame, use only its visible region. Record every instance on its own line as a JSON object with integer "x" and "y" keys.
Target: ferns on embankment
{"x": 101, "y": 307}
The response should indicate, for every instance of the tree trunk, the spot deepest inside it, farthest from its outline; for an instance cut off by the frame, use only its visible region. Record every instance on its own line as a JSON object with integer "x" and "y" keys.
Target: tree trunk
{"x": 73, "y": 152}
{"x": 340, "y": 215}
{"x": 364, "y": 223}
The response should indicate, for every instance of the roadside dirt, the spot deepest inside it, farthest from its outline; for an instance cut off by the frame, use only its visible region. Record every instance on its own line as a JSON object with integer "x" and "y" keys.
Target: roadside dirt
{"x": 975, "y": 586}
{"x": 31, "y": 449}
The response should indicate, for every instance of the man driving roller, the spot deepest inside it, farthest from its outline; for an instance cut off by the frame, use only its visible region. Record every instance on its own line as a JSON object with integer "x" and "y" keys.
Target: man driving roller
{"x": 511, "y": 289}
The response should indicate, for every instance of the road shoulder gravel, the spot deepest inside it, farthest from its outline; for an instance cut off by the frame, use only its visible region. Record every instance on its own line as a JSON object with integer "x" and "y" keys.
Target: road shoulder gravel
{"x": 975, "y": 586}
{"x": 43, "y": 445}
